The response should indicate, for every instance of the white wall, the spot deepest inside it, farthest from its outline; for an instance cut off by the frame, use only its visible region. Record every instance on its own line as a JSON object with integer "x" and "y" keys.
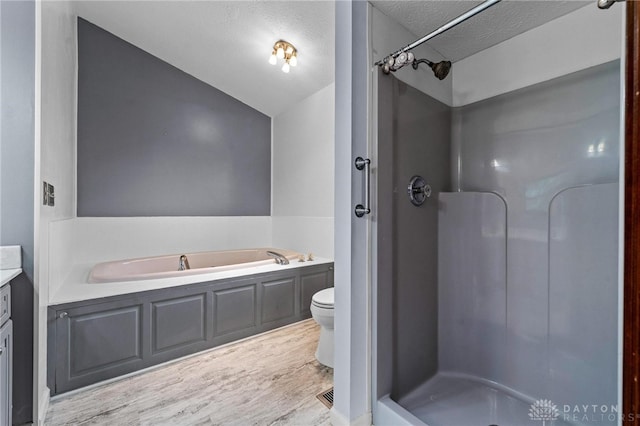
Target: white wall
{"x": 302, "y": 175}
{"x": 55, "y": 159}
{"x": 352, "y": 370}
{"x": 581, "y": 39}
{"x": 387, "y": 36}
{"x": 93, "y": 240}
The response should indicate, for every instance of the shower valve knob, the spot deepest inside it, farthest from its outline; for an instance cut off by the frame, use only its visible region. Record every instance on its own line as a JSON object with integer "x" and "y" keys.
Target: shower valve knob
{"x": 418, "y": 190}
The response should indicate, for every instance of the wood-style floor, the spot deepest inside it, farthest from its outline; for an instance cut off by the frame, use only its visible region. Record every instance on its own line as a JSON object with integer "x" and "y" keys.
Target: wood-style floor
{"x": 271, "y": 379}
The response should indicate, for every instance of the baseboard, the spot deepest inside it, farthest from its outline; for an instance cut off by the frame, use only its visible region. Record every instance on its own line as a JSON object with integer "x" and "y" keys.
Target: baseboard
{"x": 338, "y": 419}
{"x": 43, "y": 407}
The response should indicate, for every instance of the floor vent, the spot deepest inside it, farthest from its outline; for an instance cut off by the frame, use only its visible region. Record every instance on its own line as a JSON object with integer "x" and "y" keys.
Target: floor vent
{"x": 326, "y": 398}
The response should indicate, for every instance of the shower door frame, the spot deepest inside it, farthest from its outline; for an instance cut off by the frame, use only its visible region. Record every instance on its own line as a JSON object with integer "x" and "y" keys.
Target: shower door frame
{"x": 631, "y": 345}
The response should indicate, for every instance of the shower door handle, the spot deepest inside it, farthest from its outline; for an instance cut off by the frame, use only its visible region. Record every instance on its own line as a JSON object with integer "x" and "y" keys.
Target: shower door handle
{"x": 362, "y": 163}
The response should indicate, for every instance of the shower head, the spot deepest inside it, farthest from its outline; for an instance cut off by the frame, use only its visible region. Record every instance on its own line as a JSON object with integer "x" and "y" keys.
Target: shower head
{"x": 440, "y": 69}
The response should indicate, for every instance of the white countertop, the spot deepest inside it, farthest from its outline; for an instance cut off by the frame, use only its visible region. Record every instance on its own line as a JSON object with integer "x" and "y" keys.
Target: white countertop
{"x": 76, "y": 287}
{"x": 7, "y": 275}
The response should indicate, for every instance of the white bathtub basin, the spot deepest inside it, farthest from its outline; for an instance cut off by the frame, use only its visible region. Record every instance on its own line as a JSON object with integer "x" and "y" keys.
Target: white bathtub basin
{"x": 167, "y": 266}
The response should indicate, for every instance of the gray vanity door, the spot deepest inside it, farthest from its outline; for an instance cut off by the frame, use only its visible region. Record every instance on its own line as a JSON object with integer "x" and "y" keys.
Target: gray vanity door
{"x": 6, "y": 382}
{"x": 5, "y": 304}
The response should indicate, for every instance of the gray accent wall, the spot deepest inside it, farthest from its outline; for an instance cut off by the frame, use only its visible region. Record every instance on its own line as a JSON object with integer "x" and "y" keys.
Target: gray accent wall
{"x": 413, "y": 139}
{"x": 17, "y": 145}
{"x": 155, "y": 141}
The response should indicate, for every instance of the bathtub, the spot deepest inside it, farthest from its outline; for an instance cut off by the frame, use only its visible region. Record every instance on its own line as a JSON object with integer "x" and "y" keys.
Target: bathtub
{"x": 147, "y": 268}
{"x": 160, "y": 314}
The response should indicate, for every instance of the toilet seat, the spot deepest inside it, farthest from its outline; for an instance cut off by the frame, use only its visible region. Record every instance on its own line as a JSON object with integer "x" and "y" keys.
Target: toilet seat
{"x": 323, "y": 298}
{"x": 323, "y": 313}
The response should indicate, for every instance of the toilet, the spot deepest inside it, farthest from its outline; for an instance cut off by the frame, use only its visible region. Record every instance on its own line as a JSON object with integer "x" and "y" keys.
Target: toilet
{"x": 322, "y": 313}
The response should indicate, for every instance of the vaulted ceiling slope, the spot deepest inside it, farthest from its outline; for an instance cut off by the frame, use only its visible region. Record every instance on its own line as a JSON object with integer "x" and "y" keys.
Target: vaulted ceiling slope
{"x": 227, "y": 43}
{"x": 495, "y": 25}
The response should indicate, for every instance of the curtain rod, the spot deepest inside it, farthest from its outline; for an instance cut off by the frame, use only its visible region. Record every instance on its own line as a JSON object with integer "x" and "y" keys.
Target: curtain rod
{"x": 479, "y": 8}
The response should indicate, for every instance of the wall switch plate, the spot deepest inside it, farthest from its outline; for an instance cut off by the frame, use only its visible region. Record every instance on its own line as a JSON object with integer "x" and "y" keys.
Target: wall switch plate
{"x": 52, "y": 196}
{"x": 45, "y": 193}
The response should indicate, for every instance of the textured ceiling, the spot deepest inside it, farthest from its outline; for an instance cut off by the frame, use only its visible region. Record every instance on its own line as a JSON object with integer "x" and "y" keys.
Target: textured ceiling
{"x": 496, "y": 24}
{"x": 227, "y": 43}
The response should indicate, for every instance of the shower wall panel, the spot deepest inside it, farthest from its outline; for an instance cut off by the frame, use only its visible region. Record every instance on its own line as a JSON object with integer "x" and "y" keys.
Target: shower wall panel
{"x": 528, "y": 146}
{"x": 583, "y": 297}
{"x": 472, "y": 291}
{"x": 413, "y": 139}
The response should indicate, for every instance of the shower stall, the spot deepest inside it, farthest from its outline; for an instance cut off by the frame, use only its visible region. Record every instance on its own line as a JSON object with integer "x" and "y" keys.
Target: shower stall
{"x": 496, "y": 299}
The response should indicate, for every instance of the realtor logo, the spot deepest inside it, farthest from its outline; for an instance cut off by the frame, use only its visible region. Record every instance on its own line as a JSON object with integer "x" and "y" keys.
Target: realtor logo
{"x": 545, "y": 410}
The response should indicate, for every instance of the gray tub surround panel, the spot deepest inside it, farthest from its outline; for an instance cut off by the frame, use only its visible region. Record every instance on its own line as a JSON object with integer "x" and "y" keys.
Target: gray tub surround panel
{"x": 278, "y": 299}
{"x": 99, "y": 339}
{"x": 169, "y": 333}
{"x": 583, "y": 296}
{"x": 528, "y": 146}
{"x": 472, "y": 278}
{"x": 155, "y": 141}
{"x": 310, "y": 284}
{"x": 413, "y": 140}
{"x": 235, "y": 309}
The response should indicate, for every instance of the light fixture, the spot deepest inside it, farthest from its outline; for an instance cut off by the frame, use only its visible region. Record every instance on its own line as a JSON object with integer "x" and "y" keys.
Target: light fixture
{"x": 284, "y": 50}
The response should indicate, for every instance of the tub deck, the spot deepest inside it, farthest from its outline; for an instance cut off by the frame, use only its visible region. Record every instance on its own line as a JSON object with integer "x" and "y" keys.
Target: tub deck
{"x": 76, "y": 286}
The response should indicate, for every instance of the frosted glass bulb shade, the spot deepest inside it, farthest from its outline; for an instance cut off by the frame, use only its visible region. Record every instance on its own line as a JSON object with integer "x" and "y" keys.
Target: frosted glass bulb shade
{"x": 273, "y": 59}
{"x": 280, "y": 53}
{"x": 285, "y": 67}
{"x": 293, "y": 61}
{"x": 289, "y": 50}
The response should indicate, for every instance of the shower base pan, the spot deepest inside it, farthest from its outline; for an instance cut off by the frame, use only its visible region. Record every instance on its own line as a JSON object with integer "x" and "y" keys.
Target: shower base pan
{"x": 461, "y": 400}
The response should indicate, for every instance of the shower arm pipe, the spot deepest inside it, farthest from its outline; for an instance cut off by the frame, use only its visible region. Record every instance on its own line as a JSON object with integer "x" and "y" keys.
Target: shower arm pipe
{"x": 446, "y": 27}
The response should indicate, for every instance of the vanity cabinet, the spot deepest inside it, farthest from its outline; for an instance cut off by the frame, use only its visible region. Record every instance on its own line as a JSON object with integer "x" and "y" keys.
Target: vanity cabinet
{"x": 6, "y": 356}
{"x": 99, "y": 339}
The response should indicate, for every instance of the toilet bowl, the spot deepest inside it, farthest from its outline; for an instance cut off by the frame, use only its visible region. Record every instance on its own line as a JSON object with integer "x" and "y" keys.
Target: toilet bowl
{"x": 322, "y": 313}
